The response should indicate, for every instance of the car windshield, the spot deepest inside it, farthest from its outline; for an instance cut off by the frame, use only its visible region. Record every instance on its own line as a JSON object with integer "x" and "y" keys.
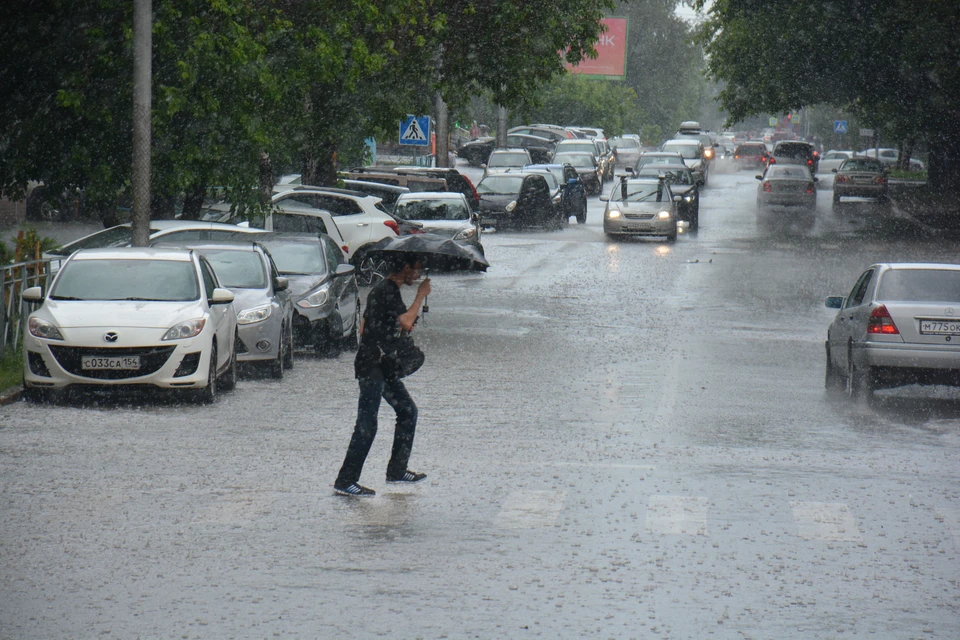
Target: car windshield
{"x": 108, "y": 238}
{"x": 637, "y": 192}
{"x": 554, "y": 170}
{"x": 549, "y": 177}
{"x": 576, "y": 147}
{"x": 660, "y": 160}
{"x": 578, "y": 160}
{"x": 296, "y": 258}
{"x": 862, "y": 165}
{"x": 792, "y": 151}
{"x": 674, "y": 175}
{"x": 503, "y": 185}
{"x": 440, "y": 209}
{"x": 508, "y": 159}
{"x": 788, "y": 172}
{"x": 751, "y": 149}
{"x": 688, "y": 151}
{"x": 119, "y": 279}
{"x": 237, "y": 269}
{"x": 920, "y": 285}
{"x": 624, "y": 143}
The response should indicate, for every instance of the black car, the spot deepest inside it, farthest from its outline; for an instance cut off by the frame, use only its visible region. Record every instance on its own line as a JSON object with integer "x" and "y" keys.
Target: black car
{"x": 323, "y": 288}
{"x": 682, "y": 183}
{"x": 516, "y": 200}
{"x": 477, "y": 152}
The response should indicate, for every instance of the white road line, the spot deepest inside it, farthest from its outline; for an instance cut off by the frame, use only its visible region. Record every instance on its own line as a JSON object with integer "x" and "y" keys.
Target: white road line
{"x": 825, "y": 521}
{"x": 677, "y": 514}
{"x": 531, "y": 509}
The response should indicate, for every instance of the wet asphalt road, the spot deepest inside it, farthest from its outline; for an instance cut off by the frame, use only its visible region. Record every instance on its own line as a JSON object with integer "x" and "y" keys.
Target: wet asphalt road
{"x": 623, "y": 440}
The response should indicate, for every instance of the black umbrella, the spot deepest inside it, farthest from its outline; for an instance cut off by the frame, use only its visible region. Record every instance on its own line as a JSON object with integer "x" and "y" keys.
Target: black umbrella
{"x": 437, "y": 252}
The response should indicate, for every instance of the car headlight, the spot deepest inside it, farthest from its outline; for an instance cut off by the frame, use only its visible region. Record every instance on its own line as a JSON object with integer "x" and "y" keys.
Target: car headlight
{"x": 254, "y": 314}
{"x": 688, "y": 198}
{"x": 316, "y": 299}
{"x": 510, "y": 207}
{"x": 466, "y": 234}
{"x": 556, "y": 199}
{"x": 186, "y": 329}
{"x": 613, "y": 213}
{"x": 43, "y": 329}
{"x": 663, "y": 215}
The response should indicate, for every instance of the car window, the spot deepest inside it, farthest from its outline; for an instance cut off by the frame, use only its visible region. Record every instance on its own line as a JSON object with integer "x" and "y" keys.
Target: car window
{"x": 920, "y": 285}
{"x": 441, "y": 209}
{"x": 237, "y": 269}
{"x": 336, "y": 205}
{"x": 331, "y": 249}
{"x": 209, "y": 280}
{"x": 290, "y": 222}
{"x": 859, "y": 290}
{"x": 862, "y": 165}
{"x": 791, "y": 151}
{"x": 500, "y": 184}
{"x": 186, "y": 235}
{"x": 688, "y": 151}
{"x": 508, "y": 159}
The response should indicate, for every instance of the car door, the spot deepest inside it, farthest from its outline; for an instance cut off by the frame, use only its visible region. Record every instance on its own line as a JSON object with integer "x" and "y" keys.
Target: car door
{"x": 353, "y": 222}
{"x": 223, "y": 315}
{"x": 282, "y": 298}
{"x": 844, "y": 329}
{"x": 343, "y": 288}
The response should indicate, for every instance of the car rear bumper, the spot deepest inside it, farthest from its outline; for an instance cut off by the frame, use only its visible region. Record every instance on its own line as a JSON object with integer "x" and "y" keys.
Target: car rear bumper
{"x": 859, "y": 191}
{"x": 908, "y": 356}
{"x": 789, "y": 199}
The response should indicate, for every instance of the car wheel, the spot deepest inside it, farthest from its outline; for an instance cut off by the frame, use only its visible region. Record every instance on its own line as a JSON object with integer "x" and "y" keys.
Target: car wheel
{"x": 833, "y": 379}
{"x": 859, "y": 381}
{"x": 288, "y": 351}
{"x": 329, "y": 337}
{"x": 352, "y": 341}
{"x": 673, "y": 236}
{"x": 208, "y": 394}
{"x": 229, "y": 380}
{"x": 582, "y": 216}
{"x": 277, "y": 366}
{"x": 369, "y": 271}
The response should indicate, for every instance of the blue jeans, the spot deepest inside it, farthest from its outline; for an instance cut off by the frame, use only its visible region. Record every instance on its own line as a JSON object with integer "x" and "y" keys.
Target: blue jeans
{"x": 372, "y": 389}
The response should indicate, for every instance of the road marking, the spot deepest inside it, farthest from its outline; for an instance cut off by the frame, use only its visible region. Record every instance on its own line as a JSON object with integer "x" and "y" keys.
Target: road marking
{"x": 677, "y": 514}
{"x": 825, "y": 521}
{"x": 531, "y": 509}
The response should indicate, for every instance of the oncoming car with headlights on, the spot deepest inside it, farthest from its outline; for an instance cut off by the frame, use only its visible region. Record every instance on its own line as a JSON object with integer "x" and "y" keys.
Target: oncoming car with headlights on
{"x": 131, "y": 317}
{"x": 641, "y": 207}
{"x": 264, "y": 309}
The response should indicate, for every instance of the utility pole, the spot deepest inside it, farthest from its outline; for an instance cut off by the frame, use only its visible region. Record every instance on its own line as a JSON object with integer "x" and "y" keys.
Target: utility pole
{"x": 442, "y": 130}
{"x": 502, "y": 128}
{"x": 142, "y": 54}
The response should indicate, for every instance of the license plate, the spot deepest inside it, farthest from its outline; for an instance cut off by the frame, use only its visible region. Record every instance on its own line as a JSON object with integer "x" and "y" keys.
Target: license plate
{"x": 121, "y": 363}
{"x": 940, "y": 327}
{"x": 488, "y": 221}
{"x": 862, "y": 181}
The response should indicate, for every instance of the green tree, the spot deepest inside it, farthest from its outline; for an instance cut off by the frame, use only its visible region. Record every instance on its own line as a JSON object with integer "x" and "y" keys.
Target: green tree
{"x": 576, "y": 100}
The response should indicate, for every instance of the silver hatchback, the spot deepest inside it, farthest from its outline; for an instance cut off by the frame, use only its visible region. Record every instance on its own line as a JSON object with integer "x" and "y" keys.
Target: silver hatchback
{"x": 900, "y": 324}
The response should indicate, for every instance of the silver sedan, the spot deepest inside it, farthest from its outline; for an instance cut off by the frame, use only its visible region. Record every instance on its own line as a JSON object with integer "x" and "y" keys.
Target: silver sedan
{"x": 900, "y": 324}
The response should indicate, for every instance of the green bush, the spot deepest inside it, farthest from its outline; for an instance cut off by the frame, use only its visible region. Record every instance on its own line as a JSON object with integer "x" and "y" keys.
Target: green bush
{"x": 11, "y": 369}
{"x": 901, "y": 174}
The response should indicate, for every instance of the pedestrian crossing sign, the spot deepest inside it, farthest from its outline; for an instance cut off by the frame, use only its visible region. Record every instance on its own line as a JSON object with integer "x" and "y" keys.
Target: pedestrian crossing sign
{"x": 414, "y": 130}
{"x": 839, "y": 126}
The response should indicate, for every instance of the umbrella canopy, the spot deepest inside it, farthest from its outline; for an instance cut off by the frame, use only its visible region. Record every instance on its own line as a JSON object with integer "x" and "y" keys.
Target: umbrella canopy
{"x": 437, "y": 252}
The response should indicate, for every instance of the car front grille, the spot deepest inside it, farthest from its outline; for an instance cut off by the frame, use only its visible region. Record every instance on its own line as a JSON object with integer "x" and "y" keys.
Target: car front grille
{"x": 638, "y": 216}
{"x": 151, "y": 359}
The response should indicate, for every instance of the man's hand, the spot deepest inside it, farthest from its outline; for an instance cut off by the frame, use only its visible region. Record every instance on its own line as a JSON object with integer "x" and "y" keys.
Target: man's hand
{"x": 424, "y": 289}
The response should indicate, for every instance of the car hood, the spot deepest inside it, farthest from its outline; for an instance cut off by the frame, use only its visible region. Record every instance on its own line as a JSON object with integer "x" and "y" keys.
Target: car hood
{"x": 447, "y": 227}
{"x": 70, "y": 314}
{"x": 681, "y": 189}
{"x": 248, "y": 298}
{"x": 693, "y": 163}
{"x": 495, "y": 202}
{"x": 303, "y": 283}
{"x": 642, "y": 207}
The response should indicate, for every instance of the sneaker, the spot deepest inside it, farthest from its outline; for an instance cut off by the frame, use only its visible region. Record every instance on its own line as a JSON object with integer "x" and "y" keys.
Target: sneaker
{"x": 408, "y": 477}
{"x": 354, "y": 490}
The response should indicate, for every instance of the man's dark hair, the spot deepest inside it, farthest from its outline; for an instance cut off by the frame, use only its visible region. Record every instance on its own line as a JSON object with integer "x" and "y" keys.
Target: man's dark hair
{"x": 399, "y": 261}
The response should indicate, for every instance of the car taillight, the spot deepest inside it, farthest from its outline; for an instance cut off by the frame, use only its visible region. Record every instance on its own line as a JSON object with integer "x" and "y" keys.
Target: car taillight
{"x": 766, "y": 187}
{"x": 393, "y": 225}
{"x": 346, "y": 249}
{"x": 810, "y": 161}
{"x": 879, "y": 180}
{"x": 772, "y": 160}
{"x": 841, "y": 179}
{"x": 810, "y": 187}
{"x": 415, "y": 231}
{"x": 881, "y": 322}
{"x": 736, "y": 157}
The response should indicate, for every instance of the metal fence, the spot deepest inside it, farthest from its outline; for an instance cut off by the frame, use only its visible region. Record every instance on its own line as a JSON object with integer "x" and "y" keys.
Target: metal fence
{"x": 15, "y": 278}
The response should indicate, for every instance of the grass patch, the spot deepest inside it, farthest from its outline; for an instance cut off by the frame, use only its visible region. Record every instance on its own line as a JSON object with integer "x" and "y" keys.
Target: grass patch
{"x": 11, "y": 369}
{"x": 901, "y": 174}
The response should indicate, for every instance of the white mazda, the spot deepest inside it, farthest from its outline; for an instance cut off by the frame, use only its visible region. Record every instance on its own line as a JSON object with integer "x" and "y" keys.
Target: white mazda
{"x": 122, "y": 317}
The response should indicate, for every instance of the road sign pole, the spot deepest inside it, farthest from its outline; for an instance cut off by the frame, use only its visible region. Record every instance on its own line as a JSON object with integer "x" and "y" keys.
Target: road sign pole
{"x": 443, "y": 134}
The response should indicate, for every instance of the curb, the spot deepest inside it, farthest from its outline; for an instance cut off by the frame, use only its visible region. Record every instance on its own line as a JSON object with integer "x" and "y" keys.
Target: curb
{"x": 11, "y": 395}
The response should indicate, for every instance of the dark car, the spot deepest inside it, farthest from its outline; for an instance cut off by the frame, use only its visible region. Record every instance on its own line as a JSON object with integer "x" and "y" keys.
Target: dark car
{"x": 587, "y": 168}
{"x": 682, "y": 183}
{"x": 515, "y": 200}
{"x": 795, "y": 152}
{"x": 750, "y": 155}
{"x": 477, "y": 152}
{"x": 573, "y": 193}
{"x": 323, "y": 288}
{"x": 456, "y": 181}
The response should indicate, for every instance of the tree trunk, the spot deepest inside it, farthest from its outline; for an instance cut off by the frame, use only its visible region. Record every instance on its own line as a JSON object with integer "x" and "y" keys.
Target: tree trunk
{"x": 107, "y": 212}
{"x": 162, "y": 207}
{"x": 906, "y": 153}
{"x": 266, "y": 179}
{"x": 943, "y": 168}
{"x": 320, "y": 165}
{"x": 193, "y": 202}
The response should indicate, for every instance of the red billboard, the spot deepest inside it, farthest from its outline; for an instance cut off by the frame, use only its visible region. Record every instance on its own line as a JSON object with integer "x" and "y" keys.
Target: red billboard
{"x": 611, "y": 49}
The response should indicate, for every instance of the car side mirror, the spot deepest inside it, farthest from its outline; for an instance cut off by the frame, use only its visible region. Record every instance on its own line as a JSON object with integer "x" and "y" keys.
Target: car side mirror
{"x": 816, "y": 179}
{"x": 346, "y": 269}
{"x": 221, "y": 296}
{"x": 475, "y": 217}
{"x": 834, "y": 170}
{"x": 33, "y": 294}
{"x": 483, "y": 166}
{"x": 834, "y": 302}
{"x": 759, "y": 177}
{"x": 677, "y": 198}
{"x": 604, "y": 198}
{"x": 630, "y": 170}
{"x": 280, "y": 284}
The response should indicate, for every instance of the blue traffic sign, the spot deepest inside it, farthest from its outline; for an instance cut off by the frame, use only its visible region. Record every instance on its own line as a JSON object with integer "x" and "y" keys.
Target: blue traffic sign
{"x": 839, "y": 126}
{"x": 415, "y": 130}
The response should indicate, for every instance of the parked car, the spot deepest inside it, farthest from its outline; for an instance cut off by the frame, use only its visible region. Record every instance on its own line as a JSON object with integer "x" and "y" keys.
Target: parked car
{"x": 410, "y": 181}
{"x": 444, "y": 214}
{"x": 586, "y": 166}
{"x": 502, "y": 159}
{"x": 131, "y": 316}
{"x": 456, "y": 181}
{"x": 750, "y": 155}
{"x": 550, "y": 132}
{"x": 693, "y": 156}
{"x": 682, "y": 183}
{"x": 515, "y": 200}
{"x": 860, "y": 177}
{"x": 323, "y": 289}
{"x": 641, "y": 208}
{"x": 832, "y": 160}
{"x": 176, "y": 231}
{"x": 387, "y": 193}
{"x": 889, "y": 157}
{"x": 573, "y": 193}
{"x": 795, "y": 152}
{"x": 477, "y": 152}
{"x": 898, "y": 325}
{"x": 261, "y": 299}
{"x": 626, "y": 151}
{"x": 787, "y": 185}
